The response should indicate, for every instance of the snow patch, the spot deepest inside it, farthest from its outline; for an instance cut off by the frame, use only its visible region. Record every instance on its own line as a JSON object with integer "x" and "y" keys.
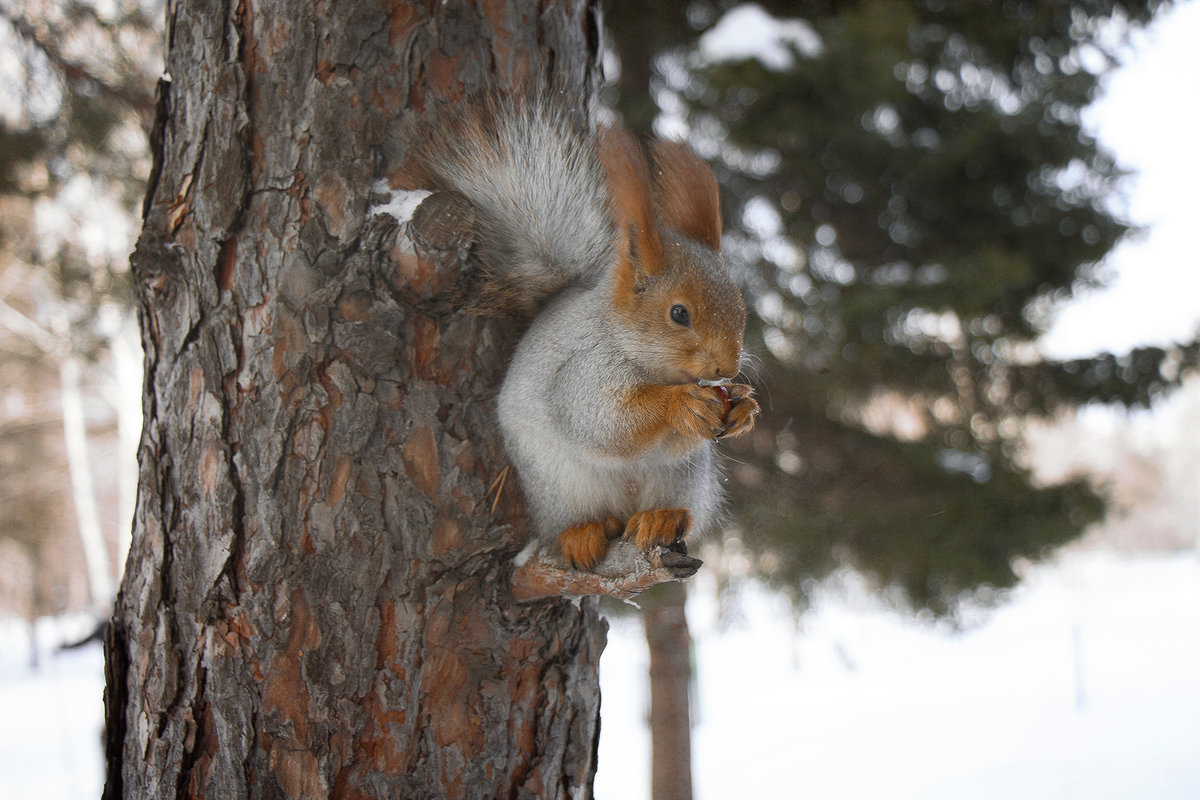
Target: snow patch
{"x": 748, "y": 31}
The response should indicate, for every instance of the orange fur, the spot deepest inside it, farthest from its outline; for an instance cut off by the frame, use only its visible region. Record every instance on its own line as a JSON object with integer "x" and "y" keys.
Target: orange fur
{"x": 662, "y": 526}
{"x": 687, "y": 195}
{"x": 676, "y": 416}
{"x": 586, "y": 543}
{"x": 743, "y": 411}
{"x": 639, "y": 247}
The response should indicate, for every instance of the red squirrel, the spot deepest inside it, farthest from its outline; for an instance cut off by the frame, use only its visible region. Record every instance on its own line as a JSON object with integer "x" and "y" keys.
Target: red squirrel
{"x": 623, "y": 382}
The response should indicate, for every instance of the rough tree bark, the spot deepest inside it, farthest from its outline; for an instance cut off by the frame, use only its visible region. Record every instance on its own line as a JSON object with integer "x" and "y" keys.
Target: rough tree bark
{"x": 317, "y": 598}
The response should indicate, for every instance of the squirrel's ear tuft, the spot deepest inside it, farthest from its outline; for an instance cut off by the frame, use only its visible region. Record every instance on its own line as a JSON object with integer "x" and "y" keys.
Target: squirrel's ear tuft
{"x": 639, "y": 247}
{"x": 688, "y": 199}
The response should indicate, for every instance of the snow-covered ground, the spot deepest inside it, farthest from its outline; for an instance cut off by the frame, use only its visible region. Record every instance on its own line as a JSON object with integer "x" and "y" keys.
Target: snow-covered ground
{"x": 51, "y": 718}
{"x": 1084, "y": 684}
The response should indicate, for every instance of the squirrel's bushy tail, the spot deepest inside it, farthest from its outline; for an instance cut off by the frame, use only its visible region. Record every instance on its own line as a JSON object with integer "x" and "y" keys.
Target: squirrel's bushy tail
{"x": 532, "y": 175}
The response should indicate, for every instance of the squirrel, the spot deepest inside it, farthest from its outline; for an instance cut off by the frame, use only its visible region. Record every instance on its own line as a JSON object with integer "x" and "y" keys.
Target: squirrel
{"x": 622, "y": 383}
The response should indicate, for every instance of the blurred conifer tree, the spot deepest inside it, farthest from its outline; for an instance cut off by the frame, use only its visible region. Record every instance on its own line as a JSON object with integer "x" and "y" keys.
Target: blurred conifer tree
{"x": 909, "y": 192}
{"x": 76, "y": 100}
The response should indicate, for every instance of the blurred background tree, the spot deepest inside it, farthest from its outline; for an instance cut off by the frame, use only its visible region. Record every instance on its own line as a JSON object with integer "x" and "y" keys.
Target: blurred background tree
{"x": 909, "y": 193}
{"x": 76, "y": 100}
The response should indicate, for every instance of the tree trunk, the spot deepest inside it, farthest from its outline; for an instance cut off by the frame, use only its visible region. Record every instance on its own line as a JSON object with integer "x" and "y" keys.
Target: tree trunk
{"x": 669, "y": 642}
{"x": 83, "y": 488}
{"x": 317, "y": 600}
{"x": 122, "y": 390}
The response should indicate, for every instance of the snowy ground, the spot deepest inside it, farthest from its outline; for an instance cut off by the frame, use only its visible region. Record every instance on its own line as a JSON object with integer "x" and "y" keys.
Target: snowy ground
{"x": 51, "y": 718}
{"x": 1085, "y": 684}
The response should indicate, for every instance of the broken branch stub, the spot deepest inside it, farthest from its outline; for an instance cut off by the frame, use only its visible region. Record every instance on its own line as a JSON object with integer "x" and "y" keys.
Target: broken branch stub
{"x": 536, "y": 579}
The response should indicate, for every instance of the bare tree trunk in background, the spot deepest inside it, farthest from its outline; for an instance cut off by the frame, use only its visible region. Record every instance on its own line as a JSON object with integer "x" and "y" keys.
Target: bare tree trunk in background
{"x": 83, "y": 488}
{"x": 665, "y": 620}
{"x": 317, "y": 600}
{"x": 122, "y": 391}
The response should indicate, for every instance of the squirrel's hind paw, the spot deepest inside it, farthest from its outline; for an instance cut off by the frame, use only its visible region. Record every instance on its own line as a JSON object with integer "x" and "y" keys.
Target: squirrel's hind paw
{"x": 585, "y": 544}
{"x": 662, "y": 526}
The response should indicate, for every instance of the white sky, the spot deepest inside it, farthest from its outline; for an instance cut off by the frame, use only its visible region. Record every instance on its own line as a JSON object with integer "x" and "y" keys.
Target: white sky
{"x": 1149, "y": 117}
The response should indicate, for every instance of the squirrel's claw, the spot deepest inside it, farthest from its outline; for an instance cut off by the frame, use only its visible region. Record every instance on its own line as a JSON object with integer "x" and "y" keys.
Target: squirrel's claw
{"x": 743, "y": 412}
{"x": 662, "y": 526}
{"x": 701, "y": 412}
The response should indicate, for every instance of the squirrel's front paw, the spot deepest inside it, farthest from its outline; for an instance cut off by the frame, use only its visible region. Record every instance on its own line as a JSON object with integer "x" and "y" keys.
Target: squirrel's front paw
{"x": 743, "y": 411}
{"x": 662, "y": 526}
{"x": 699, "y": 411}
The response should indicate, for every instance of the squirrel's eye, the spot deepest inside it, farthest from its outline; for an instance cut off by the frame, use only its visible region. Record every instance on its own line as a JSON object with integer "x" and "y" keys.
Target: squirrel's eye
{"x": 680, "y": 315}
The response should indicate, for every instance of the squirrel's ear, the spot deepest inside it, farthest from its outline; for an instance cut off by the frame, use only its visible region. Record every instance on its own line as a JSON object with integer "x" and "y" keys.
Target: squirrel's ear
{"x": 639, "y": 248}
{"x": 687, "y": 195}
